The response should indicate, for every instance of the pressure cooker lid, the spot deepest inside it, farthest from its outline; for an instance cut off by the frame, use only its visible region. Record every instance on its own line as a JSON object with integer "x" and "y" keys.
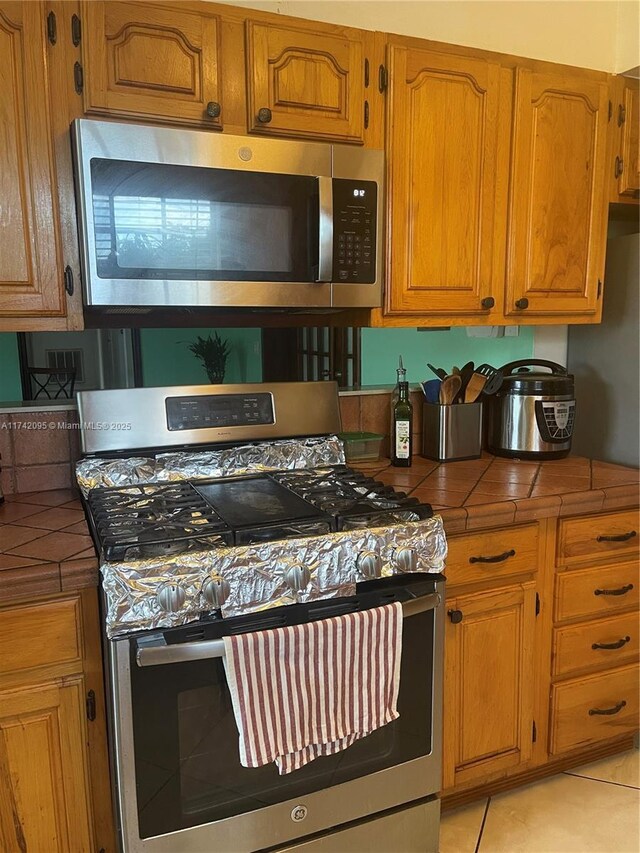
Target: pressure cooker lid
{"x": 521, "y": 378}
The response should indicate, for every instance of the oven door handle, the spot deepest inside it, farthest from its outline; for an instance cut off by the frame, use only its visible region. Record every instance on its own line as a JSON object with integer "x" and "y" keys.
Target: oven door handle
{"x": 154, "y": 651}
{"x": 325, "y": 236}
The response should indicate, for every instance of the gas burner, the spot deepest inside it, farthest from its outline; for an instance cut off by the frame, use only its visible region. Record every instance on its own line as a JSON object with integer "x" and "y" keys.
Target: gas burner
{"x": 153, "y": 520}
{"x": 162, "y": 520}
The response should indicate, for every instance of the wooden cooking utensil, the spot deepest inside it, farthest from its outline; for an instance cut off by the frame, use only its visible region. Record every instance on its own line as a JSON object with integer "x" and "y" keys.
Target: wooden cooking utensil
{"x": 449, "y": 389}
{"x": 474, "y": 388}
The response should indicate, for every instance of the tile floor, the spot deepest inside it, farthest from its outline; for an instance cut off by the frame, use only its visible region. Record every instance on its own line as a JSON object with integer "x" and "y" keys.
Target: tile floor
{"x": 592, "y": 809}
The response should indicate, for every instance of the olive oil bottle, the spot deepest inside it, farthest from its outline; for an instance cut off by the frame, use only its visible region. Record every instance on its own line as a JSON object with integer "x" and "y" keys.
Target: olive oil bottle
{"x": 402, "y": 425}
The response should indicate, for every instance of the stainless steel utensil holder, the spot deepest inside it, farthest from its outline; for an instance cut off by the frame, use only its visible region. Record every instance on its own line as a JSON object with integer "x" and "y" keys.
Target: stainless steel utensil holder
{"x": 451, "y": 432}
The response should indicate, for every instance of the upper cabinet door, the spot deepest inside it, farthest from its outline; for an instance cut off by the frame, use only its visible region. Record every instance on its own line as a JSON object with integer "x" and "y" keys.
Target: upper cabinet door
{"x": 305, "y": 82}
{"x": 448, "y": 134}
{"x": 558, "y": 204}
{"x": 30, "y": 244}
{"x": 628, "y": 167}
{"x": 152, "y": 61}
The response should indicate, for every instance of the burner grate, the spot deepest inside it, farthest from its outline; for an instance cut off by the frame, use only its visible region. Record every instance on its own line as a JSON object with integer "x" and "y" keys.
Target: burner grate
{"x": 152, "y": 520}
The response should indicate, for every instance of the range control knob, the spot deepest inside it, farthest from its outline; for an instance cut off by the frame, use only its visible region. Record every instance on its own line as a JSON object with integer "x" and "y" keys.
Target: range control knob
{"x": 297, "y": 577}
{"x": 369, "y": 564}
{"x": 171, "y": 597}
{"x": 216, "y": 591}
{"x": 405, "y": 560}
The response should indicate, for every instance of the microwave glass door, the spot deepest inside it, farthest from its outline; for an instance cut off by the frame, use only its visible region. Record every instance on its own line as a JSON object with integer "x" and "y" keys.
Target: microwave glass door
{"x": 162, "y": 221}
{"x": 187, "y": 764}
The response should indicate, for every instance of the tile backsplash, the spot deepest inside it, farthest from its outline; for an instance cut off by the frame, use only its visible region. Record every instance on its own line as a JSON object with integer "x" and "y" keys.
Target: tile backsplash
{"x": 38, "y": 451}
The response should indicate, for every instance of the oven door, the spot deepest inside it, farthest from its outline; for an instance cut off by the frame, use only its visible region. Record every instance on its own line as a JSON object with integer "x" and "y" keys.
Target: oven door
{"x": 193, "y": 219}
{"x": 179, "y": 782}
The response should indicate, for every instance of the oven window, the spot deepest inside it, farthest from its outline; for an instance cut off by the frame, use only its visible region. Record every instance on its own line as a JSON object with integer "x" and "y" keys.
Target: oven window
{"x": 188, "y": 770}
{"x": 160, "y": 221}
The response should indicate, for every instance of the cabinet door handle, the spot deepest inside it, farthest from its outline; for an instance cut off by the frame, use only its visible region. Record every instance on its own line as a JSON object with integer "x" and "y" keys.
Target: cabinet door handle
{"x": 607, "y": 712}
{"x": 617, "y": 645}
{"x": 456, "y": 616}
{"x": 498, "y": 558}
{"x": 622, "y": 591}
{"x": 264, "y": 115}
{"x": 213, "y": 109}
{"x": 523, "y": 303}
{"x": 616, "y": 537}
{"x": 487, "y": 303}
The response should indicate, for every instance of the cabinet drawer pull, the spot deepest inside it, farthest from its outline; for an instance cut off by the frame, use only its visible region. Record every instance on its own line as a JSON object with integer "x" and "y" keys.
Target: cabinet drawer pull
{"x": 622, "y": 591}
{"x": 617, "y": 537}
{"x": 618, "y": 645}
{"x": 498, "y": 558}
{"x": 607, "y": 712}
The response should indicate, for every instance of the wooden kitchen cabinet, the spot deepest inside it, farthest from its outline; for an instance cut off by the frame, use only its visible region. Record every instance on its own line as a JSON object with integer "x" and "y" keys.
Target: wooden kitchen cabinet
{"x": 448, "y": 140}
{"x": 489, "y": 692}
{"x": 305, "y": 80}
{"x": 624, "y": 167}
{"x": 152, "y": 61}
{"x": 43, "y": 766}
{"x": 558, "y": 200}
{"x": 31, "y": 251}
{"x": 54, "y": 774}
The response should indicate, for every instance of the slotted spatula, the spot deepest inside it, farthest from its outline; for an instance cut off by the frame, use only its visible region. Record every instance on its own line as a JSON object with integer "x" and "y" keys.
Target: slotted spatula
{"x": 493, "y": 376}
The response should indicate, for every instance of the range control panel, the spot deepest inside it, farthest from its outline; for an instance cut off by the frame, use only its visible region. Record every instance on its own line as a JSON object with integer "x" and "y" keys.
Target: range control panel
{"x": 354, "y": 230}
{"x": 219, "y": 410}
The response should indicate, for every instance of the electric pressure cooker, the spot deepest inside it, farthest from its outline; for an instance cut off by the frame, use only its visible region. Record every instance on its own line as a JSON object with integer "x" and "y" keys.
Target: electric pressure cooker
{"x": 532, "y": 414}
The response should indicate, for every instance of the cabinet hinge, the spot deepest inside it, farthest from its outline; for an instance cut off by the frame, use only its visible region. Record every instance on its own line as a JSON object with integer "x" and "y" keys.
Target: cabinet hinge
{"x": 91, "y": 705}
{"x": 534, "y": 732}
{"x": 383, "y": 78}
{"x": 366, "y": 114}
{"x": 366, "y": 73}
{"x": 52, "y": 28}
{"x": 622, "y": 115}
{"x": 537, "y": 604}
{"x": 599, "y": 288}
{"x": 610, "y": 110}
{"x": 78, "y": 77}
{"x": 76, "y": 30}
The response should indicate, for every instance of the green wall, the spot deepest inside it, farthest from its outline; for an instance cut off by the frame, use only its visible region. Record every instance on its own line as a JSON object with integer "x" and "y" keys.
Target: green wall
{"x": 10, "y": 386}
{"x": 167, "y": 361}
{"x": 381, "y": 348}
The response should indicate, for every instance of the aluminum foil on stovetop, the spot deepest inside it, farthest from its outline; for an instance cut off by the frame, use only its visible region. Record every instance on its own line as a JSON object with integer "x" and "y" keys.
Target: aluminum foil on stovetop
{"x": 259, "y": 577}
{"x": 94, "y": 473}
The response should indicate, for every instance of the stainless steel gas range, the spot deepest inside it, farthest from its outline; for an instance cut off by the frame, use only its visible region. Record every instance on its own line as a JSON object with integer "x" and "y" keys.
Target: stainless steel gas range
{"x": 220, "y": 510}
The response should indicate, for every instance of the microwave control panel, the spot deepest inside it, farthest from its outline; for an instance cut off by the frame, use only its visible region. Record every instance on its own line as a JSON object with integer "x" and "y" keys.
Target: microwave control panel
{"x": 354, "y": 230}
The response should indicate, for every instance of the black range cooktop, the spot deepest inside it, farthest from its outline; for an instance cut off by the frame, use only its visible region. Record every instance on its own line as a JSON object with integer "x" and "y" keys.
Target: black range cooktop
{"x": 156, "y": 519}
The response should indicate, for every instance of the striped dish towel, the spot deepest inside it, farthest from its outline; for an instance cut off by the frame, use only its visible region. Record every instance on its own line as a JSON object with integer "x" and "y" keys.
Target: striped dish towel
{"x": 309, "y": 690}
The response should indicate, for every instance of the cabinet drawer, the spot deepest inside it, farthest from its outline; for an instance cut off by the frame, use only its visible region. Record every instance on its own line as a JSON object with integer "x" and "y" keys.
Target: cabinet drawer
{"x": 492, "y": 555}
{"x": 615, "y": 641}
{"x": 40, "y": 634}
{"x": 596, "y": 592}
{"x": 592, "y": 537}
{"x": 594, "y": 708}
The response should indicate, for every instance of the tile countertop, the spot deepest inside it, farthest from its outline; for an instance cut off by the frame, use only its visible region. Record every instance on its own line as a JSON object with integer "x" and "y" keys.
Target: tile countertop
{"x": 45, "y": 546}
{"x": 494, "y": 491}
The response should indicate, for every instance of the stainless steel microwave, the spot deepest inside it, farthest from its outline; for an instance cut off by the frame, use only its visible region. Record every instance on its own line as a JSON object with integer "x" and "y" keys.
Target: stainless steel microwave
{"x": 193, "y": 219}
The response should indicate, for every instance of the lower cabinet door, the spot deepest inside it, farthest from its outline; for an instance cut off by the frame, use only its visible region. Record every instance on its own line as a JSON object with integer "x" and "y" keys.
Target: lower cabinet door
{"x": 43, "y": 769}
{"x": 488, "y": 695}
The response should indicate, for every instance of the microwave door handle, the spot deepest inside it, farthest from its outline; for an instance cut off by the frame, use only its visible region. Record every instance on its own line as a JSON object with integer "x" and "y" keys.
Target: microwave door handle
{"x": 325, "y": 254}
{"x": 154, "y": 651}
